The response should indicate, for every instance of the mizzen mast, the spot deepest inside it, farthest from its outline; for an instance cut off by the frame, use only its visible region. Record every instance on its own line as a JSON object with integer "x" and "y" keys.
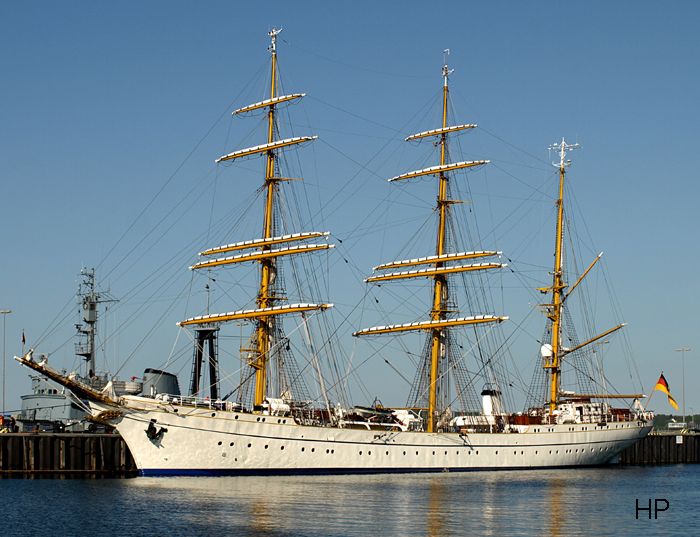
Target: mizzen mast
{"x": 553, "y": 362}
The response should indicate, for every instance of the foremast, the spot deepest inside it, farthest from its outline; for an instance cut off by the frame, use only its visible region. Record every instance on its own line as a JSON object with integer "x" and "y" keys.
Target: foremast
{"x": 442, "y": 260}
{"x": 267, "y": 249}
{"x": 265, "y": 297}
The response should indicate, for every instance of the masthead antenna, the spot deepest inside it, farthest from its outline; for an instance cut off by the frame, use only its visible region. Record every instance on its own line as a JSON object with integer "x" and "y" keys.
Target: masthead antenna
{"x": 562, "y": 148}
{"x": 445, "y": 71}
{"x": 273, "y": 36}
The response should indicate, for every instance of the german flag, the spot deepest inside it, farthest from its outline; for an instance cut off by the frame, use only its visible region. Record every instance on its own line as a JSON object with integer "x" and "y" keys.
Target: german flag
{"x": 662, "y": 386}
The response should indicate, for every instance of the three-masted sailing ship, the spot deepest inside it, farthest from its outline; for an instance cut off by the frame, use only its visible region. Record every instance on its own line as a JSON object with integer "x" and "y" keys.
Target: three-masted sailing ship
{"x": 272, "y": 426}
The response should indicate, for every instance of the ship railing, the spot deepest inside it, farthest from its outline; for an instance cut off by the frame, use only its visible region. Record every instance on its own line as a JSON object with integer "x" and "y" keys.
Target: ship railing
{"x": 198, "y": 402}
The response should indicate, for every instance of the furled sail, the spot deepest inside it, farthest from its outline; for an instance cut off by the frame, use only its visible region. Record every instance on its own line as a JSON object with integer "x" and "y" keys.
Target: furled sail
{"x": 253, "y": 314}
{"x": 266, "y": 147}
{"x": 254, "y": 243}
{"x": 440, "y": 169}
{"x": 436, "y": 132}
{"x": 268, "y": 102}
{"x": 264, "y": 254}
{"x": 430, "y": 325}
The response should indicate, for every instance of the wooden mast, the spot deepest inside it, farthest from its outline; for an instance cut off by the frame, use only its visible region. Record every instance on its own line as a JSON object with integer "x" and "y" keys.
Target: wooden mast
{"x": 443, "y": 260}
{"x": 264, "y": 297}
{"x": 553, "y": 363}
{"x": 265, "y": 249}
{"x": 440, "y": 289}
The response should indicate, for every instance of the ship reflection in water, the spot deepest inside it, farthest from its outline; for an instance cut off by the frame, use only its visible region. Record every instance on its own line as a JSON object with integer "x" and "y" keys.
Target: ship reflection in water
{"x": 599, "y": 501}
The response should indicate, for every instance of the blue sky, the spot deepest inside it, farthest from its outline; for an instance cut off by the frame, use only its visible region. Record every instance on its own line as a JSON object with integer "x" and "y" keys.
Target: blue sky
{"x": 102, "y": 103}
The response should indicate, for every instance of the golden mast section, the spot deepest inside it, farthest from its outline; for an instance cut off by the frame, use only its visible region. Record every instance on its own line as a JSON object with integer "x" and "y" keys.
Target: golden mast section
{"x": 268, "y": 249}
{"x": 441, "y": 312}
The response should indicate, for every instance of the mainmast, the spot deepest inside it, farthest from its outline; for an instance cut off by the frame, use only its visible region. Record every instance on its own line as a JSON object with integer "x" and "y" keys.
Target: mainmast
{"x": 443, "y": 260}
{"x": 553, "y": 363}
{"x": 441, "y": 291}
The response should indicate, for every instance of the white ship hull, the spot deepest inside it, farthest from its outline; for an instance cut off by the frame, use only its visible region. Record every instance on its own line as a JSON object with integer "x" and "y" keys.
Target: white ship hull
{"x": 203, "y": 441}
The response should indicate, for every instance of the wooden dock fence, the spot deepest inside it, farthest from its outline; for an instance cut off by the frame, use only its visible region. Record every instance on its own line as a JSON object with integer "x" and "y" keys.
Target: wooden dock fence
{"x": 662, "y": 448}
{"x": 65, "y": 455}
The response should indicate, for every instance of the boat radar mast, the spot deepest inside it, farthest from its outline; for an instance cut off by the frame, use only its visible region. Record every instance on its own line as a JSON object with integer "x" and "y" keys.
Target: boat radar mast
{"x": 87, "y": 332}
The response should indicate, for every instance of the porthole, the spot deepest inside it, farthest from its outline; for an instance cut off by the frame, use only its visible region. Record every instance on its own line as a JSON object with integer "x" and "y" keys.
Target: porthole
{"x": 515, "y": 453}
{"x": 445, "y": 452}
{"x": 213, "y": 415}
{"x": 522, "y": 453}
{"x": 279, "y": 421}
{"x": 404, "y": 453}
{"x": 416, "y": 453}
{"x": 536, "y": 452}
{"x": 249, "y": 445}
{"x": 231, "y": 444}
{"x": 265, "y": 446}
{"x": 235, "y": 417}
{"x": 387, "y": 452}
{"x": 328, "y": 451}
{"x": 219, "y": 442}
{"x": 332, "y": 451}
{"x": 360, "y": 453}
{"x": 496, "y": 452}
{"x": 282, "y": 448}
{"x": 258, "y": 419}
{"x": 433, "y": 453}
{"x": 477, "y": 452}
{"x": 458, "y": 453}
{"x": 557, "y": 452}
{"x": 369, "y": 453}
{"x": 284, "y": 421}
{"x": 303, "y": 449}
{"x": 263, "y": 419}
{"x": 313, "y": 449}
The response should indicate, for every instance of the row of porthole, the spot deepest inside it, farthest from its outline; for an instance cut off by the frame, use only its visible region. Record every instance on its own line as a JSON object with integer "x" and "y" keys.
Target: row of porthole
{"x": 332, "y": 451}
{"x": 279, "y": 420}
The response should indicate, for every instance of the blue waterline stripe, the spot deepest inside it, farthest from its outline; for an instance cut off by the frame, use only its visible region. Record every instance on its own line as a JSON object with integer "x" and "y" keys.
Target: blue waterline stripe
{"x": 340, "y": 471}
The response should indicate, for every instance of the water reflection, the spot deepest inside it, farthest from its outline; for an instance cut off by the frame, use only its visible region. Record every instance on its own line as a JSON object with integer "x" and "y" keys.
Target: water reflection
{"x": 556, "y": 503}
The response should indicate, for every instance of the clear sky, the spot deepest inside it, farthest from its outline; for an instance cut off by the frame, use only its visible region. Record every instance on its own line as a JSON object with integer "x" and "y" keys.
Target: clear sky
{"x": 105, "y": 105}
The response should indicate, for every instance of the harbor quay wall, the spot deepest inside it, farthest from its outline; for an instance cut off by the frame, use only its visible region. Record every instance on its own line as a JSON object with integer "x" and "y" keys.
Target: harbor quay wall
{"x": 65, "y": 455}
{"x": 662, "y": 448}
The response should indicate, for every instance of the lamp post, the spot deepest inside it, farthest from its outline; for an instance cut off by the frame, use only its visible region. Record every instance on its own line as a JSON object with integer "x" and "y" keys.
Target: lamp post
{"x": 682, "y": 351}
{"x": 4, "y": 321}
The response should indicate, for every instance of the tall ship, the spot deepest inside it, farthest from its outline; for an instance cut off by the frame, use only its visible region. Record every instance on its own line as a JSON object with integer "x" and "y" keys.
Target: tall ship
{"x": 456, "y": 417}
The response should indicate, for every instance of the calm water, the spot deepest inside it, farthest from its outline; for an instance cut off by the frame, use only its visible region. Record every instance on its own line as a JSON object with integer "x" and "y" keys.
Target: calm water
{"x": 561, "y": 502}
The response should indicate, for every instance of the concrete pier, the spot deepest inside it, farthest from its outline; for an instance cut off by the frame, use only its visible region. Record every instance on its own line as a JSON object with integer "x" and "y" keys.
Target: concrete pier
{"x": 65, "y": 455}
